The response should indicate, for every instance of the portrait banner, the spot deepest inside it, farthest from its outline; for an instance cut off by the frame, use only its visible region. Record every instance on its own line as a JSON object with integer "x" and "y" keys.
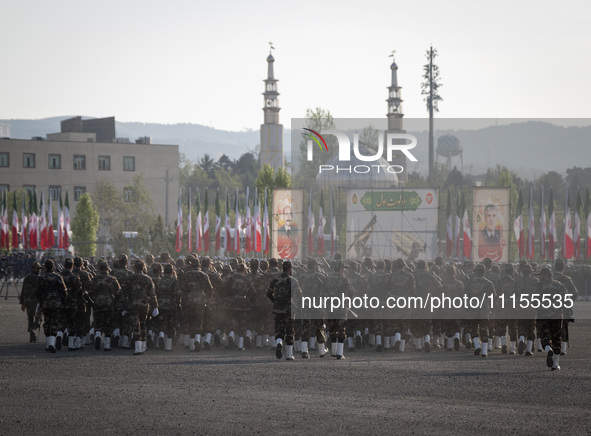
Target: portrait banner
{"x": 287, "y": 217}
{"x": 490, "y": 224}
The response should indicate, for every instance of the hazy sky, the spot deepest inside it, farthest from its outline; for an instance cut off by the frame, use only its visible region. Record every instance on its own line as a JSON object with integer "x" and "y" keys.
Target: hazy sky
{"x": 204, "y": 62}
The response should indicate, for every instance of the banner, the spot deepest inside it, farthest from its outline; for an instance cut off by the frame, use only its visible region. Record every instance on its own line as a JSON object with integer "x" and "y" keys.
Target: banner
{"x": 287, "y": 223}
{"x": 491, "y": 224}
{"x": 392, "y": 223}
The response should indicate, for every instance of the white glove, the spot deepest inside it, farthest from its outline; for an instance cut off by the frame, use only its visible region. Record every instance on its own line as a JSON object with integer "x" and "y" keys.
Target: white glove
{"x": 155, "y": 312}
{"x": 123, "y": 313}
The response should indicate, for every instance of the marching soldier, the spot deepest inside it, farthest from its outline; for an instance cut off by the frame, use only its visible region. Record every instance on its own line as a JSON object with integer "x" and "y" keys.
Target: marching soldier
{"x": 73, "y": 302}
{"x": 479, "y": 287}
{"x": 280, "y": 292}
{"x": 105, "y": 292}
{"x": 168, "y": 292}
{"x": 83, "y": 314}
{"x": 336, "y": 284}
{"x": 550, "y": 320}
{"x": 29, "y": 299}
{"x": 239, "y": 294}
{"x": 571, "y": 289}
{"x": 52, "y": 294}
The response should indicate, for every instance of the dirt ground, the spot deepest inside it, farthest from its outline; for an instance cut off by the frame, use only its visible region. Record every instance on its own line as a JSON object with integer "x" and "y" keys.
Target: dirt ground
{"x": 251, "y": 392}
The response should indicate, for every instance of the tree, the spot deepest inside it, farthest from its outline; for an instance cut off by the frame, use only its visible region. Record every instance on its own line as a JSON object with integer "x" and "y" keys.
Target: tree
{"x": 85, "y": 226}
{"x": 207, "y": 164}
{"x": 430, "y": 89}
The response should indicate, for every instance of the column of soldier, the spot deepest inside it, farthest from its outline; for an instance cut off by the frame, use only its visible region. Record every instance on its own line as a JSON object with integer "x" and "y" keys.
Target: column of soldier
{"x": 200, "y": 303}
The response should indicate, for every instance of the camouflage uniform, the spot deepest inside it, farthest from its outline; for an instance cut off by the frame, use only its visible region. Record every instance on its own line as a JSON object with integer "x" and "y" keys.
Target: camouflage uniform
{"x": 426, "y": 284}
{"x": 280, "y": 294}
{"x": 52, "y": 294}
{"x": 478, "y": 287}
{"x": 452, "y": 287}
{"x": 84, "y": 310}
{"x": 122, "y": 325}
{"x": 400, "y": 283}
{"x": 105, "y": 292}
{"x": 74, "y": 286}
{"x": 196, "y": 290}
{"x": 551, "y": 319}
{"x": 140, "y": 297}
{"x": 568, "y": 313}
{"x": 506, "y": 286}
{"x": 311, "y": 282}
{"x": 526, "y": 324}
{"x": 29, "y": 300}
{"x": 336, "y": 284}
{"x": 239, "y": 294}
{"x": 168, "y": 292}
{"x": 381, "y": 328}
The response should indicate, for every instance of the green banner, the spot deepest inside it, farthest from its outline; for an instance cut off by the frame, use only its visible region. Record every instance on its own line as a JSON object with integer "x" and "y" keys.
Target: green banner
{"x": 390, "y": 200}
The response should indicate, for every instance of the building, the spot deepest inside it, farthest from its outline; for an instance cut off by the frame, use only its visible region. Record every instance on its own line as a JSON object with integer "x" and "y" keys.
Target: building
{"x": 57, "y": 166}
{"x": 271, "y": 131}
{"x": 395, "y": 122}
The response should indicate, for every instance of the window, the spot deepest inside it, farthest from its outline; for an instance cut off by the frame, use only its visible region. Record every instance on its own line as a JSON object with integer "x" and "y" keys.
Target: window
{"x": 128, "y": 163}
{"x": 78, "y": 191}
{"x": 79, "y": 162}
{"x": 54, "y": 192}
{"x": 28, "y": 160}
{"x": 55, "y": 161}
{"x": 128, "y": 194}
{"x": 4, "y": 188}
{"x": 104, "y": 163}
{"x": 4, "y": 161}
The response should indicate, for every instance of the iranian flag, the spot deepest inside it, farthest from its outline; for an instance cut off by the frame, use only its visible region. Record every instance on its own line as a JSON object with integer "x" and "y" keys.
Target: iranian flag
{"x": 14, "y": 223}
{"x": 43, "y": 224}
{"x": 67, "y": 222}
{"x": 267, "y": 237}
{"x": 33, "y": 221}
{"x": 237, "y": 226}
{"x": 227, "y": 245}
{"x": 543, "y": 230}
{"x": 218, "y": 221}
{"x": 3, "y": 235}
{"x": 552, "y": 235}
{"x": 568, "y": 247}
{"x": 257, "y": 223}
{"x": 248, "y": 224}
{"x": 458, "y": 226}
{"x": 311, "y": 226}
{"x": 531, "y": 227}
{"x": 449, "y": 242}
{"x": 60, "y": 223}
{"x": 577, "y": 228}
{"x": 518, "y": 226}
{"x": 206, "y": 223}
{"x": 25, "y": 222}
{"x": 467, "y": 231}
{"x": 321, "y": 224}
{"x": 333, "y": 226}
{"x": 189, "y": 226}
{"x": 50, "y": 235}
{"x": 179, "y": 226}
{"x": 198, "y": 225}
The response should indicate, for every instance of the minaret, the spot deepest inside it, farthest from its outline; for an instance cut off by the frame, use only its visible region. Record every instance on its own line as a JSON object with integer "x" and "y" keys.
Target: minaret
{"x": 271, "y": 132}
{"x": 395, "y": 116}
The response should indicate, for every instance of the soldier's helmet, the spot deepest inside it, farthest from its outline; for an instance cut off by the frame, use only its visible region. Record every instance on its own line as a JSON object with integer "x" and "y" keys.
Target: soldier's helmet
{"x": 545, "y": 273}
{"x": 487, "y": 262}
{"x": 36, "y": 265}
{"x": 399, "y": 263}
{"x": 77, "y": 261}
{"x": 368, "y": 263}
{"x": 479, "y": 269}
{"x": 49, "y": 264}
{"x": 286, "y": 265}
{"x": 103, "y": 265}
{"x": 168, "y": 269}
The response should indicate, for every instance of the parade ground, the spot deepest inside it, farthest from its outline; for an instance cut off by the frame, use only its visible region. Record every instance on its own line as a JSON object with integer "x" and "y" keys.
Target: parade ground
{"x": 251, "y": 392}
